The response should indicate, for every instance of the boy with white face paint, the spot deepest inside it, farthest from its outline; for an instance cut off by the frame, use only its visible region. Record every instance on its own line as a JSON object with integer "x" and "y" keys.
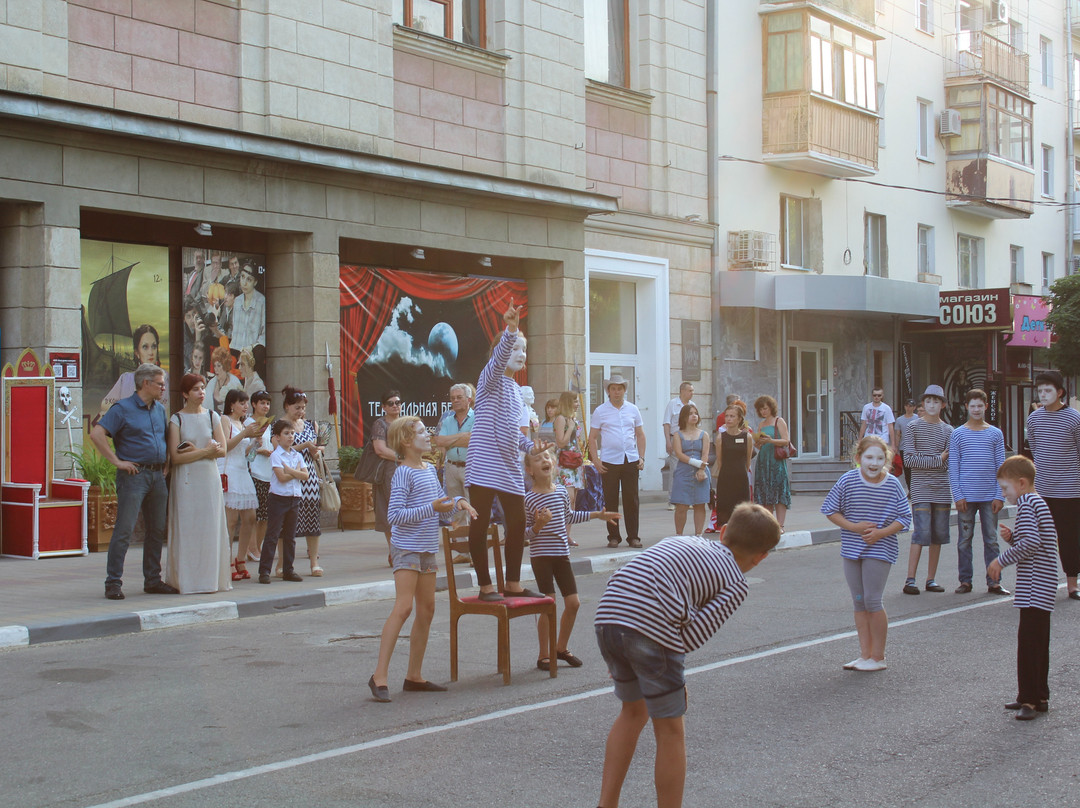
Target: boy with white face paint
{"x": 1053, "y": 433}
{"x": 926, "y": 452}
{"x": 976, "y": 451}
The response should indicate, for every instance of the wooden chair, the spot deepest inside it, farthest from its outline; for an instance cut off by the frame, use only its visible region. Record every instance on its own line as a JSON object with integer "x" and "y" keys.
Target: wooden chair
{"x": 456, "y": 540}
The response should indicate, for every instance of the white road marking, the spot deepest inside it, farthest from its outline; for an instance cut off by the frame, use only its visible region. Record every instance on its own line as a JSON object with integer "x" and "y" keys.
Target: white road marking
{"x": 330, "y": 754}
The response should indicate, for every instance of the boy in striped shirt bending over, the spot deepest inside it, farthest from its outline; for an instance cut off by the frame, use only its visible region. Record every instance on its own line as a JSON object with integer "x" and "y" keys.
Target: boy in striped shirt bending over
{"x": 1034, "y": 551}
{"x": 670, "y": 600}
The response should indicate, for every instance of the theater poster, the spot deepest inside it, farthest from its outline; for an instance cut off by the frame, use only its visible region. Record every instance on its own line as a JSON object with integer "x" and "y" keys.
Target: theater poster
{"x": 224, "y": 302}
{"x": 125, "y": 319}
{"x": 416, "y": 332}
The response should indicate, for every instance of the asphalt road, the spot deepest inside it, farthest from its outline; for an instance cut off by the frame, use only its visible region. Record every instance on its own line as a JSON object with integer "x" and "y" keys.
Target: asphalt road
{"x": 274, "y": 711}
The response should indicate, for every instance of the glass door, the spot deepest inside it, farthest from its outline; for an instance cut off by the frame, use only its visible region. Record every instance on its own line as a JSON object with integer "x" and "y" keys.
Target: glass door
{"x": 599, "y": 372}
{"x": 810, "y": 410}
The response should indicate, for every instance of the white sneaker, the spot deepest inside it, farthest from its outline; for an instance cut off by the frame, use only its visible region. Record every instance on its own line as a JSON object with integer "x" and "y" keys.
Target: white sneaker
{"x": 869, "y": 665}
{"x": 854, "y": 664}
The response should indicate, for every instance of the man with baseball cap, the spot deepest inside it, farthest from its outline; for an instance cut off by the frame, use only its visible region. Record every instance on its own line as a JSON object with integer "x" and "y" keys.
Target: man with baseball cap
{"x": 619, "y": 456}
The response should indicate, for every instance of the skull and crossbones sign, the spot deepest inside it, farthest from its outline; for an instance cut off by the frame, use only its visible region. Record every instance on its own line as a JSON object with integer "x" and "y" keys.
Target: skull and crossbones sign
{"x": 67, "y": 406}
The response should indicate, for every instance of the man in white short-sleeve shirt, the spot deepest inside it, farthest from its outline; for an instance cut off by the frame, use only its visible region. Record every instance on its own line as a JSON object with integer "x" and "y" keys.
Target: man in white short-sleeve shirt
{"x": 619, "y": 456}
{"x": 877, "y": 418}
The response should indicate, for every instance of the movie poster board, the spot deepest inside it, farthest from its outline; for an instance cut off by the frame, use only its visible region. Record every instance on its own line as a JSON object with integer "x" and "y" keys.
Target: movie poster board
{"x": 125, "y": 319}
{"x": 416, "y": 332}
{"x": 224, "y": 311}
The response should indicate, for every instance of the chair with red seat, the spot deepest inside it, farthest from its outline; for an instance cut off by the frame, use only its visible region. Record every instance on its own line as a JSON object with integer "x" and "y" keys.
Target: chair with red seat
{"x": 456, "y": 540}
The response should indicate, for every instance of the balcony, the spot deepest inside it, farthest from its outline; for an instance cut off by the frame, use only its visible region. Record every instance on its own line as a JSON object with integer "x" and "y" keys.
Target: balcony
{"x": 975, "y": 55}
{"x": 861, "y": 10}
{"x": 805, "y": 132}
{"x": 989, "y": 187}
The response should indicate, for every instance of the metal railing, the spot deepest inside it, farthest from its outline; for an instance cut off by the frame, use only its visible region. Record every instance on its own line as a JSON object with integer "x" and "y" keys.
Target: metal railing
{"x": 977, "y": 54}
{"x": 849, "y": 432}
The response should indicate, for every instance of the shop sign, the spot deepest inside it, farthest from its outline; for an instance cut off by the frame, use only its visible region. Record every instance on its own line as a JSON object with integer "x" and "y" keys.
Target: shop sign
{"x": 986, "y": 308}
{"x": 65, "y": 366}
{"x": 1018, "y": 364}
{"x": 691, "y": 350}
{"x": 1030, "y": 329}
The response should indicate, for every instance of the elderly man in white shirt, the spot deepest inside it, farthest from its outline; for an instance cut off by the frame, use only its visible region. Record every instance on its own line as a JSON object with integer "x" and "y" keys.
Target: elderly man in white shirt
{"x": 619, "y": 457}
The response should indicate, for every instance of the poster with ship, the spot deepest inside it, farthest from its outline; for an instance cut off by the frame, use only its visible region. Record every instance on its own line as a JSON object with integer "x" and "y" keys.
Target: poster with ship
{"x": 125, "y": 319}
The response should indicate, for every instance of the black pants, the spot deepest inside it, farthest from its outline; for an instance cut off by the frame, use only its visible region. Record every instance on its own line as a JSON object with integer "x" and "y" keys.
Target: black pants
{"x": 1066, "y": 513}
{"x": 280, "y": 523}
{"x": 626, "y": 476}
{"x": 1033, "y": 656}
{"x": 513, "y": 506}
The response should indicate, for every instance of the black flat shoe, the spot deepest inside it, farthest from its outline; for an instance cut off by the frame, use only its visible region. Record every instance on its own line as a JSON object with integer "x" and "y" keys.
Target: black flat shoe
{"x": 911, "y": 589}
{"x": 963, "y": 589}
{"x": 1074, "y": 595}
{"x": 998, "y": 589}
{"x": 161, "y": 588}
{"x": 934, "y": 586}
{"x": 379, "y": 693}
{"x": 524, "y": 593}
{"x": 543, "y": 663}
{"x": 422, "y": 687}
{"x": 489, "y": 597}
{"x": 569, "y": 659}
{"x": 1025, "y": 713}
{"x": 114, "y": 593}
{"x": 1040, "y": 706}
{"x": 291, "y": 576}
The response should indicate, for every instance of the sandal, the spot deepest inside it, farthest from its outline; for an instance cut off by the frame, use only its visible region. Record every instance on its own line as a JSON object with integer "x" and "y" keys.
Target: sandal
{"x": 569, "y": 659}
{"x": 237, "y": 575}
{"x": 543, "y": 663}
{"x": 316, "y": 570}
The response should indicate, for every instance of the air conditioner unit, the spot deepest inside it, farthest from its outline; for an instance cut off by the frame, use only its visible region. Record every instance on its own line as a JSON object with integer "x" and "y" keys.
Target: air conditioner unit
{"x": 751, "y": 249}
{"x": 949, "y": 123}
{"x": 999, "y": 11}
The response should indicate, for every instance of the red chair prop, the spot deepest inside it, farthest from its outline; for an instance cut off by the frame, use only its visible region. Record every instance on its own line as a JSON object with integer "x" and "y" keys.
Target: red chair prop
{"x": 456, "y": 540}
{"x": 39, "y": 516}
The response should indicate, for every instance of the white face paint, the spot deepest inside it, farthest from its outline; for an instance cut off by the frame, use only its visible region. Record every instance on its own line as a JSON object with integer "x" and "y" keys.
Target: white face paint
{"x": 1008, "y": 488}
{"x": 1048, "y": 394}
{"x": 871, "y": 462}
{"x": 517, "y": 356}
{"x": 932, "y": 406}
{"x": 976, "y": 409}
{"x": 422, "y": 441}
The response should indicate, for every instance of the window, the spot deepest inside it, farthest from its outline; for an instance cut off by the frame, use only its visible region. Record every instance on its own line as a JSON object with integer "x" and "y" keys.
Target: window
{"x": 1007, "y": 122}
{"x": 1046, "y": 61}
{"x": 969, "y": 256}
{"x": 1048, "y": 270}
{"x": 875, "y": 249}
{"x": 1047, "y": 170}
{"x": 793, "y": 227}
{"x": 612, "y": 316}
{"x": 1016, "y": 264}
{"x": 607, "y": 41}
{"x": 926, "y": 249}
{"x": 924, "y": 16}
{"x": 784, "y": 54}
{"x": 1016, "y": 35}
{"x": 460, "y": 20}
{"x": 842, "y": 65}
{"x": 925, "y": 142}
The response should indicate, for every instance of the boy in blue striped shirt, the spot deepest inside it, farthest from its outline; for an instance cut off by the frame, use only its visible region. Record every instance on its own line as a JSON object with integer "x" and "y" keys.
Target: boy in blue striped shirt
{"x": 976, "y": 450}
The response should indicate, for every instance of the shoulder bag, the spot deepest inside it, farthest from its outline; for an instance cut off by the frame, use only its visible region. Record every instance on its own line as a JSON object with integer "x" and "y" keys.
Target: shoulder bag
{"x": 784, "y": 452}
{"x": 329, "y": 498}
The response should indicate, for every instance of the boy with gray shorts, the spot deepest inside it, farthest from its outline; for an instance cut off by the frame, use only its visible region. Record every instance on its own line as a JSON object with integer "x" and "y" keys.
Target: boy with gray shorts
{"x": 641, "y": 627}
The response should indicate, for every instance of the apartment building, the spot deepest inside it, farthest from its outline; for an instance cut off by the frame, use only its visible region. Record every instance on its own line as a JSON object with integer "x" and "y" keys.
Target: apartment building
{"x": 891, "y": 183}
{"x": 557, "y": 145}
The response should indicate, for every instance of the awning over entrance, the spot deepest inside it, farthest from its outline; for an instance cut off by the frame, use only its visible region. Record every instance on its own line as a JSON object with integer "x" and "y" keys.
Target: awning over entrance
{"x": 852, "y": 294}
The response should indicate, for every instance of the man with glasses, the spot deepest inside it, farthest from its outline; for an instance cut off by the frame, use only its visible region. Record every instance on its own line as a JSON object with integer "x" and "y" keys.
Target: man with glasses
{"x": 453, "y": 437}
{"x": 137, "y": 426}
{"x": 878, "y": 418}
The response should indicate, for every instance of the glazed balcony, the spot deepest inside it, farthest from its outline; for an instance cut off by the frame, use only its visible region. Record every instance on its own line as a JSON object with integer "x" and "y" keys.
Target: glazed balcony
{"x": 862, "y": 10}
{"x": 979, "y": 56}
{"x": 805, "y": 132}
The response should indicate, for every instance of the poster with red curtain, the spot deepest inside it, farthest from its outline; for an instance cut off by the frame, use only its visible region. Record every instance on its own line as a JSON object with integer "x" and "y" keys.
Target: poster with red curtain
{"x": 418, "y": 333}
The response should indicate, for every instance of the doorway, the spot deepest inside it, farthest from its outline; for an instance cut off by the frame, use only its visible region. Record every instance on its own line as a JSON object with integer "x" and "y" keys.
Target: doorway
{"x": 811, "y": 405}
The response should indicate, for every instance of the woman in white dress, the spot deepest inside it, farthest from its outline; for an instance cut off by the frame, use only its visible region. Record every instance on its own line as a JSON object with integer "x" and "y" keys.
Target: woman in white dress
{"x": 198, "y": 559}
{"x": 240, "y": 498}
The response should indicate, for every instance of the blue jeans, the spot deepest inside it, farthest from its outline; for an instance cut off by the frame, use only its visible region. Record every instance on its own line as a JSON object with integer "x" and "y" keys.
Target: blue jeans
{"x": 965, "y": 522}
{"x": 930, "y": 523}
{"x": 643, "y": 669}
{"x": 146, "y": 492}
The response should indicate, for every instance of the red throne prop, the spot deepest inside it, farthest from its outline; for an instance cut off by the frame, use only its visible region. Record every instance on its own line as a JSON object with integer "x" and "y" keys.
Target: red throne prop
{"x": 39, "y": 516}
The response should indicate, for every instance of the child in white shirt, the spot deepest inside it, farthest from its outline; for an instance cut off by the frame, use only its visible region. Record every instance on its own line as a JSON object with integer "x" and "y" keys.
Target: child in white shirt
{"x": 289, "y": 470}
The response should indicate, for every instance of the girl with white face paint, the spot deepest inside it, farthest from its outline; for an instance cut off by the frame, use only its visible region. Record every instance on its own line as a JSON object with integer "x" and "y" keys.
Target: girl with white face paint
{"x": 870, "y": 507}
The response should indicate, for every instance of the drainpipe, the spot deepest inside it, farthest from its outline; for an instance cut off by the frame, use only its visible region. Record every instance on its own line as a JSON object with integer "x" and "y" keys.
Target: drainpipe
{"x": 712, "y": 157}
{"x": 1070, "y": 158}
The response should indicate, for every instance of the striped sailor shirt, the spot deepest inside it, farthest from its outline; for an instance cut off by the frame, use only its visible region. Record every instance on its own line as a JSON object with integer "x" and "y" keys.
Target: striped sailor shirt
{"x": 859, "y": 500}
{"x": 974, "y": 458}
{"x": 496, "y": 438}
{"x": 414, "y": 523}
{"x": 922, "y": 444}
{"x": 552, "y": 540}
{"x": 1054, "y": 438}
{"x": 678, "y": 592}
{"x": 1034, "y": 551}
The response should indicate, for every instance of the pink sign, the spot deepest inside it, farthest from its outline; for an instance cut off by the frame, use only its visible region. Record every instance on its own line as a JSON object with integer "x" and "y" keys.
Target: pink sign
{"x": 1029, "y": 322}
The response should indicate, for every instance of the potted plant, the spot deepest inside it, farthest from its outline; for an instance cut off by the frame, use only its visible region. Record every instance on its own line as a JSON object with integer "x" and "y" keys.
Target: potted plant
{"x": 357, "y": 507}
{"x": 93, "y": 467}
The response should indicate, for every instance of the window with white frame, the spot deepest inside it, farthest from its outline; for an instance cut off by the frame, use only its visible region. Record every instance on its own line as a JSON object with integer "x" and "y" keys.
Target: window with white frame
{"x": 842, "y": 64}
{"x": 925, "y": 142}
{"x": 969, "y": 258}
{"x": 1047, "y": 180}
{"x": 1046, "y": 61}
{"x": 793, "y": 232}
{"x": 1047, "y": 269}
{"x": 924, "y": 16}
{"x": 607, "y": 41}
{"x": 1016, "y": 35}
{"x": 926, "y": 249}
{"x": 1016, "y": 264}
{"x": 460, "y": 20}
{"x": 875, "y": 249}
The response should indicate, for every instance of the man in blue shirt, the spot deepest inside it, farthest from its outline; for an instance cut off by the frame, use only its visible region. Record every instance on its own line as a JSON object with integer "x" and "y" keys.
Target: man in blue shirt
{"x": 453, "y": 436}
{"x": 137, "y": 426}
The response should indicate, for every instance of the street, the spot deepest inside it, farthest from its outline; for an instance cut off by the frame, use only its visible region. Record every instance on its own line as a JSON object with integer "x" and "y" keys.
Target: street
{"x": 275, "y": 710}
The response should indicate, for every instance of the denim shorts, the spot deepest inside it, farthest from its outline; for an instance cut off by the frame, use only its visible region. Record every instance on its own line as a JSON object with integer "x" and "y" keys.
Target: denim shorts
{"x": 930, "y": 523}
{"x": 412, "y": 560}
{"x": 644, "y": 669}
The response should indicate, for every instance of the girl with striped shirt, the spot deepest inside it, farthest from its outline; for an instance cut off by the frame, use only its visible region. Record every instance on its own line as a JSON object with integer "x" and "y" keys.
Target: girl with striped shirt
{"x": 547, "y": 516}
{"x": 416, "y": 503}
{"x": 870, "y": 507}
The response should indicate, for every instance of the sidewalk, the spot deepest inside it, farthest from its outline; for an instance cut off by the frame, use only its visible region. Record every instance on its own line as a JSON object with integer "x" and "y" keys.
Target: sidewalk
{"x": 56, "y": 599}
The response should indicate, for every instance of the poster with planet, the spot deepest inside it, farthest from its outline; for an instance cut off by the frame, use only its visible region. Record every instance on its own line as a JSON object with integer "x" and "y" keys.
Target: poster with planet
{"x": 415, "y": 332}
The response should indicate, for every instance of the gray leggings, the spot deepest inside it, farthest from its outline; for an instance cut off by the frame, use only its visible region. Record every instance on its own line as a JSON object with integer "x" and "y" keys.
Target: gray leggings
{"x": 866, "y": 580}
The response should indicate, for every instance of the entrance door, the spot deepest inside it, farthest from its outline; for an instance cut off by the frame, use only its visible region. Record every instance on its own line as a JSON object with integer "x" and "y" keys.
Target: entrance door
{"x": 599, "y": 372}
{"x": 810, "y": 408}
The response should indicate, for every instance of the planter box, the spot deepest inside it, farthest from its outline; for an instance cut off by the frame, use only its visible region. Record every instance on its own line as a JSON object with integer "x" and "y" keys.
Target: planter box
{"x": 357, "y": 505}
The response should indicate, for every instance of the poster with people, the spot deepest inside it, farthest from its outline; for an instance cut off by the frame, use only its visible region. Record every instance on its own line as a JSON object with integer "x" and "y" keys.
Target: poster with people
{"x": 125, "y": 319}
{"x": 224, "y": 300}
{"x": 418, "y": 333}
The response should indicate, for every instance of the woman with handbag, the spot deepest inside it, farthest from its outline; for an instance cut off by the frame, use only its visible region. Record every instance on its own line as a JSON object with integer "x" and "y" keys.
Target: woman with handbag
{"x": 309, "y": 511}
{"x": 690, "y": 486}
{"x": 569, "y": 473}
{"x": 771, "y": 486}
